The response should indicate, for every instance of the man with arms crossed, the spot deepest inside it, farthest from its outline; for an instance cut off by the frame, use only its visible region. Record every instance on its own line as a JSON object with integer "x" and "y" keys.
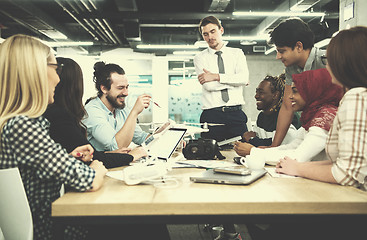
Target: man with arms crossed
{"x": 222, "y": 71}
{"x": 294, "y": 42}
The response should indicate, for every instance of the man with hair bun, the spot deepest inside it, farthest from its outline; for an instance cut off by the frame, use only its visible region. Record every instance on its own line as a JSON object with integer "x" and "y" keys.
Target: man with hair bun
{"x": 110, "y": 125}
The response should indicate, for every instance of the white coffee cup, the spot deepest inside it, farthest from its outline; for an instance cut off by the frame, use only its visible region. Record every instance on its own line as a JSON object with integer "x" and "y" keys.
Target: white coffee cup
{"x": 256, "y": 160}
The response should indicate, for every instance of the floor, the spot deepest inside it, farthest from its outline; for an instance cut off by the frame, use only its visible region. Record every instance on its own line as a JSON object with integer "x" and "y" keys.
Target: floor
{"x": 200, "y": 232}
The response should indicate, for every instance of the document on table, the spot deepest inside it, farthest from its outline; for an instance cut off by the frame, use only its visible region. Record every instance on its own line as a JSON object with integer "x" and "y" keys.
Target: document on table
{"x": 203, "y": 164}
{"x": 273, "y": 173}
{"x": 119, "y": 174}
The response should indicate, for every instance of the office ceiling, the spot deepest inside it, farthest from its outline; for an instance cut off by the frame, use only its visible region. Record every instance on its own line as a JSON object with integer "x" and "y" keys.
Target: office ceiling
{"x": 111, "y": 24}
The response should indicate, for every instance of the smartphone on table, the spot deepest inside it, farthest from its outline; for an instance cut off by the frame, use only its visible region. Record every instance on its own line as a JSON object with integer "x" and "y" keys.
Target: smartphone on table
{"x": 237, "y": 170}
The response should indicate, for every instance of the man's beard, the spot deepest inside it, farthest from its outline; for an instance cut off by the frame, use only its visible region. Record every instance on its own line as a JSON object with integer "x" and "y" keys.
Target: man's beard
{"x": 113, "y": 101}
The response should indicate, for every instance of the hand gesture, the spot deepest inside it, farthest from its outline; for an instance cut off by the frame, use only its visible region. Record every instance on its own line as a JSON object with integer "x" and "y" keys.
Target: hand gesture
{"x": 248, "y": 135}
{"x": 83, "y": 153}
{"x": 98, "y": 167}
{"x": 142, "y": 102}
{"x": 288, "y": 166}
{"x": 242, "y": 149}
{"x": 138, "y": 153}
{"x": 120, "y": 150}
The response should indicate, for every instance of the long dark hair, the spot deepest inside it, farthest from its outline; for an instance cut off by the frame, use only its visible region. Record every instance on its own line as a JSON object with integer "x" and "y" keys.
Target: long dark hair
{"x": 347, "y": 57}
{"x": 69, "y": 91}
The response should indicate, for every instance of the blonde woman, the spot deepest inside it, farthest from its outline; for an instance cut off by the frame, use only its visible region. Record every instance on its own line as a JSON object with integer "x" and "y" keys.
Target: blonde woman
{"x": 28, "y": 79}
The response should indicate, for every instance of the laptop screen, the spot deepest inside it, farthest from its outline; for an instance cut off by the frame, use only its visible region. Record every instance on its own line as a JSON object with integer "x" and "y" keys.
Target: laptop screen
{"x": 163, "y": 146}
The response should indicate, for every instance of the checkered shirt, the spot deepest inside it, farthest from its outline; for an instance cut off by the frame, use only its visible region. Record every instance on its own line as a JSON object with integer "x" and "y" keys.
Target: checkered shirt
{"x": 346, "y": 144}
{"x": 44, "y": 166}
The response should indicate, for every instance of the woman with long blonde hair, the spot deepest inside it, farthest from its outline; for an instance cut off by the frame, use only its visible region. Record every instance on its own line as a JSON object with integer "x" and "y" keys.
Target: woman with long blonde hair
{"x": 28, "y": 79}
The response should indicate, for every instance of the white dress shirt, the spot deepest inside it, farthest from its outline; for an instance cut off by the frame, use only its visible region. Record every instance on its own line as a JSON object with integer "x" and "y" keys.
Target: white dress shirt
{"x": 235, "y": 77}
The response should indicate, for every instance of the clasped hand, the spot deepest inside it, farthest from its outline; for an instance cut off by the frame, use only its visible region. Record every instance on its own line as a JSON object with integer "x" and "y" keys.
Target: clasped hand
{"x": 207, "y": 76}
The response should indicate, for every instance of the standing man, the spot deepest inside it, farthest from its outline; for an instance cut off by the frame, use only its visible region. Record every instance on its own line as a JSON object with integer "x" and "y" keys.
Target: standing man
{"x": 110, "y": 125}
{"x": 294, "y": 42}
{"x": 222, "y": 71}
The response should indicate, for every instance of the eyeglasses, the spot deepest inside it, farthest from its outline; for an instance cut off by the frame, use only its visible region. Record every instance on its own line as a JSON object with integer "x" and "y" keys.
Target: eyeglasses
{"x": 58, "y": 67}
{"x": 324, "y": 60}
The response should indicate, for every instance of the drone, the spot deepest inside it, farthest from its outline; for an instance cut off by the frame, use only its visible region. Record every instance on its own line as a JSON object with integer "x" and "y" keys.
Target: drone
{"x": 190, "y": 130}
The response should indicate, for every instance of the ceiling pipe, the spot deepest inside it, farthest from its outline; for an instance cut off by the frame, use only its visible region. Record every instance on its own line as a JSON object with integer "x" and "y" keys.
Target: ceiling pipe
{"x": 76, "y": 19}
{"x": 91, "y": 26}
{"x": 100, "y": 26}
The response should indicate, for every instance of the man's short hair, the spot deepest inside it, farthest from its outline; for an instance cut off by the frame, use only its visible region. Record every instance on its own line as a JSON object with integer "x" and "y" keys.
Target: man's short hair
{"x": 210, "y": 19}
{"x": 290, "y": 31}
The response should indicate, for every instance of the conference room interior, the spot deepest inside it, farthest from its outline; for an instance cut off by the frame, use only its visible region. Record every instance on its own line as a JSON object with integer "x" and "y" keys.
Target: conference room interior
{"x": 155, "y": 42}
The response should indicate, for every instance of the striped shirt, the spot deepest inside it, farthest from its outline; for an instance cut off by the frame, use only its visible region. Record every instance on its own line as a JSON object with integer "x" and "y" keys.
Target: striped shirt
{"x": 346, "y": 144}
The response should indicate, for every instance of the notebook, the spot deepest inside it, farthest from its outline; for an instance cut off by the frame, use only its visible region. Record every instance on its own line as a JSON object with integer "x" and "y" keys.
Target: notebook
{"x": 163, "y": 146}
{"x": 210, "y": 176}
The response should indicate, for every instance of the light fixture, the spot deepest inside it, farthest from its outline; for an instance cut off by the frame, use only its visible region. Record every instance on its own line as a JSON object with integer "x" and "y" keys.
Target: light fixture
{"x": 302, "y": 5}
{"x": 154, "y": 46}
{"x": 267, "y": 52}
{"x": 322, "y": 43}
{"x": 248, "y": 42}
{"x": 68, "y": 44}
{"x": 279, "y": 14}
{"x": 246, "y": 38}
{"x": 185, "y": 52}
{"x": 167, "y": 25}
{"x": 53, "y": 34}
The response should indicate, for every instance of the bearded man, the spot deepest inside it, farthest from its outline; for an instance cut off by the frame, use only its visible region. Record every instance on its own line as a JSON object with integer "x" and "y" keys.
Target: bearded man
{"x": 111, "y": 125}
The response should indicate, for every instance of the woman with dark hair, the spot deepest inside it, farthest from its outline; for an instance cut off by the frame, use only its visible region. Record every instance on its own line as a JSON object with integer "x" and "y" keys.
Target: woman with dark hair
{"x": 346, "y": 145}
{"x": 269, "y": 98}
{"x": 67, "y": 112}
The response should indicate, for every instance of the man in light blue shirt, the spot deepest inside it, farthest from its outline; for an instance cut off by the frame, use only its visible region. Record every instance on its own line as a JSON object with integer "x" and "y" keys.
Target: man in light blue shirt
{"x": 110, "y": 125}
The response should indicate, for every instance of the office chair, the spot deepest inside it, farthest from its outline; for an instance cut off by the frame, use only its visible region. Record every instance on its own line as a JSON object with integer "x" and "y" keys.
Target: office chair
{"x": 15, "y": 218}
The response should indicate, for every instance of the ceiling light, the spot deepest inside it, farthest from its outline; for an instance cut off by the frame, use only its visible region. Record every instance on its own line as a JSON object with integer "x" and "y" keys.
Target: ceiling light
{"x": 185, "y": 52}
{"x": 247, "y": 42}
{"x": 323, "y": 43}
{"x": 248, "y": 38}
{"x": 162, "y": 25}
{"x": 153, "y": 46}
{"x": 303, "y": 5}
{"x": 279, "y": 14}
{"x": 53, "y": 34}
{"x": 68, "y": 44}
{"x": 267, "y": 52}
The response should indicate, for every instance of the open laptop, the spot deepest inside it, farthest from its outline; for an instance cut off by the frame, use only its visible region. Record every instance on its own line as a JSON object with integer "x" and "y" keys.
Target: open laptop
{"x": 163, "y": 146}
{"x": 209, "y": 176}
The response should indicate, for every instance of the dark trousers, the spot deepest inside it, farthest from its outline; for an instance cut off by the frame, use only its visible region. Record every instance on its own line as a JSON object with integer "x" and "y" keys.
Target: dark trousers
{"x": 234, "y": 124}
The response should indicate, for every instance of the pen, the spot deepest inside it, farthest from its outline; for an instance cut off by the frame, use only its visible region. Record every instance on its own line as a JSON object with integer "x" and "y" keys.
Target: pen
{"x": 155, "y": 103}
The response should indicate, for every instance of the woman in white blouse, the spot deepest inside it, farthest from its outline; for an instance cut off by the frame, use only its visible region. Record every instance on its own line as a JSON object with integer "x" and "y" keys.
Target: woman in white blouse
{"x": 318, "y": 98}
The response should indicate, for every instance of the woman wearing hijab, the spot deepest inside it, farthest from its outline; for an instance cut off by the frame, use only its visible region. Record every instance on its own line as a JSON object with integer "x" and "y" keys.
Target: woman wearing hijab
{"x": 318, "y": 98}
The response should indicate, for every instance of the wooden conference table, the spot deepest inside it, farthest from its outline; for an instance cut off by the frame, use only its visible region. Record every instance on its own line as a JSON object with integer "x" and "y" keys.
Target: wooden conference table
{"x": 268, "y": 199}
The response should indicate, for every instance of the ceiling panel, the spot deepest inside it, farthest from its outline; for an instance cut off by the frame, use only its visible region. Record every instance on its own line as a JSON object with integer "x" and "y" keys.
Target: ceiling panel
{"x": 112, "y": 24}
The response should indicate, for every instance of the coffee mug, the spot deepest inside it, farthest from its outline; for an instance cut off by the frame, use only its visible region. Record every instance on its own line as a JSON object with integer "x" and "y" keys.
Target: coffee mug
{"x": 256, "y": 160}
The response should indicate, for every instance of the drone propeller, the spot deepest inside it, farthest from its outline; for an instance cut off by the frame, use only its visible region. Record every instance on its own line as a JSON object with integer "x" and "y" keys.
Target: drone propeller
{"x": 207, "y": 124}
